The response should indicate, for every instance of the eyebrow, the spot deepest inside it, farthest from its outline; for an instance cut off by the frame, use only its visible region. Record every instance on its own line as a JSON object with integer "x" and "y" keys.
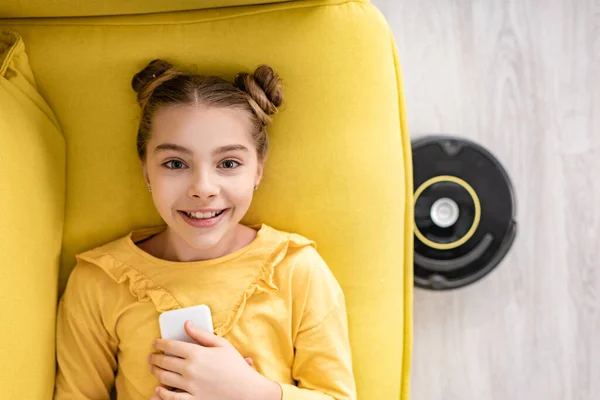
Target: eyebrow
{"x": 181, "y": 149}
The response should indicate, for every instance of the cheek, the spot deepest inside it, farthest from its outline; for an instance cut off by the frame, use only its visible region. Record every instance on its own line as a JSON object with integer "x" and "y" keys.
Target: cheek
{"x": 237, "y": 195}
{"x": 162, "y": 203}
{"x": 165, "y": 193}
{"x": 237, "y": 185}
{"x": 240, "y": 194}
{"x": 169, "y": 181}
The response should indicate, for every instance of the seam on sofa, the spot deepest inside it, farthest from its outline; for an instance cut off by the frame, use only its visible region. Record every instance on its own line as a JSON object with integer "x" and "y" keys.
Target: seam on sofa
{"x": 158, "y": 18}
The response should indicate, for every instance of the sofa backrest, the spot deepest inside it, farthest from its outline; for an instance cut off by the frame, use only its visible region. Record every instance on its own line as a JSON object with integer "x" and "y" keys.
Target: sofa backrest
{"x": 339, "y": 168}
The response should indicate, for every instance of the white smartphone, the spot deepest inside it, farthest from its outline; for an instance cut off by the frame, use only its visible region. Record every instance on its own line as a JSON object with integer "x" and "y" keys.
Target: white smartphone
{"x": 172, "y": 322}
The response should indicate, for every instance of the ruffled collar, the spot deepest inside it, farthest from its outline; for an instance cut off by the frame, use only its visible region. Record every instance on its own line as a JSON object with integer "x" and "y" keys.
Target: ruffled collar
{"x": 265, "y": 237}
{"x": 120, "y": 258}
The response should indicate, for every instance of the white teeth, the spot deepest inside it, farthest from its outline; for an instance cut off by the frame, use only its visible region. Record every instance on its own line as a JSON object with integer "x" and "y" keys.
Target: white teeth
{"x": 200, "y": 215}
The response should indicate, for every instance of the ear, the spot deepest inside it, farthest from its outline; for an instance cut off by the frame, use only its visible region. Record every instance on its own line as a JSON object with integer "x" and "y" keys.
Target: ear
{"x": 259, "y": 171}
{"x": 145, "y": 172}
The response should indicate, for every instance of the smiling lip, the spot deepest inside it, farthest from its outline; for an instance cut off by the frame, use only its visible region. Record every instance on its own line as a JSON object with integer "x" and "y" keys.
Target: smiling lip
{"x": 203, "y": 223}
{"x": 204, "y": 210}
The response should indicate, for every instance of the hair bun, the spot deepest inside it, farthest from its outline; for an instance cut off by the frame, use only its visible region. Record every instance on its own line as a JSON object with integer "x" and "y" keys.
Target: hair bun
{"x": 151, "y": 72}
{"x": 264, "y": 87}
{"x": 152, "y": 76}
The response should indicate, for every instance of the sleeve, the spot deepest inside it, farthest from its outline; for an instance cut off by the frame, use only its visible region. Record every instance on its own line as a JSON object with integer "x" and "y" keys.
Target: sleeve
{"x": 86, "y": 351}
{"x": 322, "y": 364}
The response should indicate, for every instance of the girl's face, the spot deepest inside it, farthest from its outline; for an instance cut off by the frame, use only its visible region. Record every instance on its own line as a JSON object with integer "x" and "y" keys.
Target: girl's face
{"x": 202, "y": 159}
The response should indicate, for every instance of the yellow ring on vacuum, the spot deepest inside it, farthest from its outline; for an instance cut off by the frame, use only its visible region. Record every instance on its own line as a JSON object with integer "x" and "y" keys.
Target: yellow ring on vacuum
{"x": 470, "y": 232}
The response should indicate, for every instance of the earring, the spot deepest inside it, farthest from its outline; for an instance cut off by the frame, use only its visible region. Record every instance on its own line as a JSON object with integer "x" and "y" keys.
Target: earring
{"x": 149, "y": 189}
{"x": 255, "y": 187}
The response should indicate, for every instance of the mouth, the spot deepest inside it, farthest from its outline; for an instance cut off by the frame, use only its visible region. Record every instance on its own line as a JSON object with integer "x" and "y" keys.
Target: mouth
{"x": 203, "y": 220}
{"x": 203, "y": 216}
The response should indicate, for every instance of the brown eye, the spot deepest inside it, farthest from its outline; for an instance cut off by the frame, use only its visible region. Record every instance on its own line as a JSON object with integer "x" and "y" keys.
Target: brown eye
{"x": 174, "y": 164}
{"x": 230, "y": 164}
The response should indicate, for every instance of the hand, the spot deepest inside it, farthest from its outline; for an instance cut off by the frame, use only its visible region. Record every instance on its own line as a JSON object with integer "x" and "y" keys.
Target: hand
{"x": 214, "y": 370}
{"x": 155, "y": 396}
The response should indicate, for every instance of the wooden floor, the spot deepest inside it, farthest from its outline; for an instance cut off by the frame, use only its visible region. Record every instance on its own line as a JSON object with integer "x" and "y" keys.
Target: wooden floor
{"x": 522, "y": 78}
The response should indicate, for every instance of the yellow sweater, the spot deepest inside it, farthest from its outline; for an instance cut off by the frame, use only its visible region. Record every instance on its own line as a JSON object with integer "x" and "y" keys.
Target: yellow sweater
{"x": 275, "y": 300}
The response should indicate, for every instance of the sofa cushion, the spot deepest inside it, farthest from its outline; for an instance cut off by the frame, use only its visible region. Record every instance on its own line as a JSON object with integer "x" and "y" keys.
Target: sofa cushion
{"x": 32, "y": 192}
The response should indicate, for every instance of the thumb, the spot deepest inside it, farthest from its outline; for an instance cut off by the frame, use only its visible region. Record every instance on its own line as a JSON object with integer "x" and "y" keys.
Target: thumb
{"x": 202, "y": 336}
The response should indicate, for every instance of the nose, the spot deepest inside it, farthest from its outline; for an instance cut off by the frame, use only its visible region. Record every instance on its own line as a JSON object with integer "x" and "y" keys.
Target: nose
{"x": 204, "y": 185}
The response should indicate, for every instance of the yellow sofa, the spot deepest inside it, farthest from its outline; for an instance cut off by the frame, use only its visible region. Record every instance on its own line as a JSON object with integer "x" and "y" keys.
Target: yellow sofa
{"x": 339, "y": 169}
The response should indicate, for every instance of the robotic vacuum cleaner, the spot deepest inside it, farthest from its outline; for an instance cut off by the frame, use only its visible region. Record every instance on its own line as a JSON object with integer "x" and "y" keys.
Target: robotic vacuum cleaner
{"x": 464, "y": 206}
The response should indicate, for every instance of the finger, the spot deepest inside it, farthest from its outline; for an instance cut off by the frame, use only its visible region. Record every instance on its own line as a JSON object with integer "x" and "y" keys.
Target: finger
{"x": 204, "y": 337}
{"x": 175, "y": 347}
{"x": 155, "y": 395}
{"x": 170, "y": 363}
{"x": 249, "y": 361}
{"x": 168, "y": 378}
{"x": 165, "y": 394}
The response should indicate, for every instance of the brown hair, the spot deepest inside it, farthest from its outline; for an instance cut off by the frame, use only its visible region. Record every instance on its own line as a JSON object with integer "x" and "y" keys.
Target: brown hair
{"x": 160, "y": 84}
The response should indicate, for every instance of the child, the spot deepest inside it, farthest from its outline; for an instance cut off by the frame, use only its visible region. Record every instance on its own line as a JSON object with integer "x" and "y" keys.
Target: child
{"x": 203, "y": 145}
